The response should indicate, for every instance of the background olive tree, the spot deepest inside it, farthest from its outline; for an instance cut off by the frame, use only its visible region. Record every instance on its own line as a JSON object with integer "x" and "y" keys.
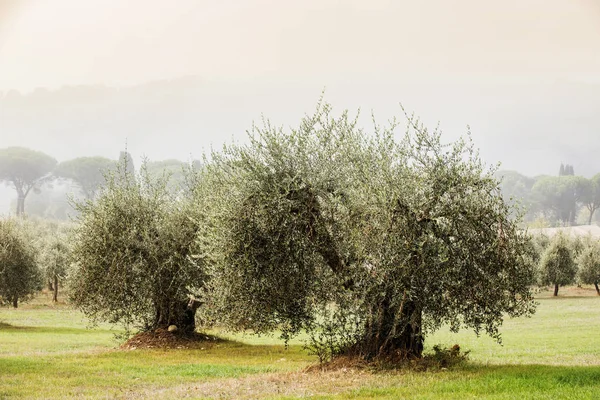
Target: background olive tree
{"x": 54, "y": 253}
{"x": 379, "y": 240}
{"x": 557, "y": 264}
{"x": 20, "y": 277}
{"x": 589, "y": 264}
{"x": 132, "y": 248}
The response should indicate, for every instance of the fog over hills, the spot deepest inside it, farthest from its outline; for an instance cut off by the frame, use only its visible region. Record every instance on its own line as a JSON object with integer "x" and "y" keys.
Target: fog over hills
{"x": 530, "y": 128}
{"x": 85, "y": 78}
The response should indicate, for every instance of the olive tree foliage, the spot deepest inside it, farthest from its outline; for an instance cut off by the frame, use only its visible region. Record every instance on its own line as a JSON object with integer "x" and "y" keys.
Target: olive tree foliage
{"x": 374, "y": 240}
{"x": 25, "y": 170}
{"x": 588, "y": 263}
{"x": 132, "y": 248}
{"x": 19, "y": 274}
{"x": 54, "y": 253}
{"x": 557, "y": 264}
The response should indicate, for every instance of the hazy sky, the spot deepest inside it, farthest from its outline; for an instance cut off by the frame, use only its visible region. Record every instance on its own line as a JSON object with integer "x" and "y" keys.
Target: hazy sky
{"x": 50, "y": 43}
{"x": 437, "y": 57}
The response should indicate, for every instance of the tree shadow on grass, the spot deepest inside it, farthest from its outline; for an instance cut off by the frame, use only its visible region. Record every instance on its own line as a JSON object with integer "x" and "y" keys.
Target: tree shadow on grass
{"x": 42, "y": 329}
{"x": 8, "y": 327}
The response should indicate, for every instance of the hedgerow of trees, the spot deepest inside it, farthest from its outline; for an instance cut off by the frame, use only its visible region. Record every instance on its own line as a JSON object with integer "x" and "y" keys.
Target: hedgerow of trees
{"x": 563, "y": 200}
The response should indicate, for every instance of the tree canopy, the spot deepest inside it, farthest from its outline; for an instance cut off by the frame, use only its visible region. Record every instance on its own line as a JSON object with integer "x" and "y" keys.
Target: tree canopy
{"x": 132, "y": 248}
{"x": 557, "y": 264}
{"x": 55, "y": 253}
{"x": 384, "y": 239}
{"x": 590, "y": 195}
{"x": 19, "y": 274}
{"x": 589, "y": 264}
{"x": 25, "y": 169}
{"x": 559, "y": 196}
{"x": 86, "y": 172}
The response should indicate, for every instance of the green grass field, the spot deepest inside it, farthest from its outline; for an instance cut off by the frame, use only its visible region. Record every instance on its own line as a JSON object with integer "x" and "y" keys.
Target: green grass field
{"x": 47, "y": 352}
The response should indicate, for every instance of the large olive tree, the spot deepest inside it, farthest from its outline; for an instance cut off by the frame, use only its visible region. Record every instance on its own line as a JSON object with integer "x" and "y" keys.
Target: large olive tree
{"x": 376, "y": 240}
{"x": 132, "y": 249}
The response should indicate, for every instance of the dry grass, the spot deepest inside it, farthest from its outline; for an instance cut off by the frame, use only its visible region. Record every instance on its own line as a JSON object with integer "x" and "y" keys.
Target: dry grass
{"x": 163, "y": 339}
{"x": 273, "y": 385}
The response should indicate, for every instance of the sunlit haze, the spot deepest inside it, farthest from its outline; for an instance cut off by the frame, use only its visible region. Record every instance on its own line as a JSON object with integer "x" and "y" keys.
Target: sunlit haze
{"x": 171, "y": 79}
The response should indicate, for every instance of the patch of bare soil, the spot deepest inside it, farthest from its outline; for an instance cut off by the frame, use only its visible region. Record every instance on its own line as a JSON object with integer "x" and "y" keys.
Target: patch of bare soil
{"x": 283, "y": 384}
{"x": 568, "y": 292}
{"x": 339, "y": 363}
{"x": 576, "y": 291}
{"x": 163, "y": 339}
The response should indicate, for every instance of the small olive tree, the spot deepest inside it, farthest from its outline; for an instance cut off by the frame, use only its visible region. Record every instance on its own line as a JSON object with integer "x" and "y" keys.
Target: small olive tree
{"x": 557, "y": 264}
{"x": 55, "y": 259}
{"x": 132, "y": 249}
{"x": 589, "y": 264}
{"x": 370, "y": 240}
{"x": 52, "y": 242}
{"x": 20, "y": 277}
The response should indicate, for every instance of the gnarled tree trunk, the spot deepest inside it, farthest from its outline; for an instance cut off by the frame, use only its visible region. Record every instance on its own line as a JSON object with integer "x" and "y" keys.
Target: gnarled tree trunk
{"x": 181, "y": 313}
{"x": 392, "y": 333}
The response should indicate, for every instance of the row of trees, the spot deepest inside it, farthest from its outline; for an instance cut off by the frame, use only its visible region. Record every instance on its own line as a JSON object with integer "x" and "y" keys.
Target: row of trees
{"x": 32, "y": 253}
{"x": 29, "y": 171}
{"x": 367, "y": 242}
{"x": 564, "y": 260}
{"x": 562, "y": 200}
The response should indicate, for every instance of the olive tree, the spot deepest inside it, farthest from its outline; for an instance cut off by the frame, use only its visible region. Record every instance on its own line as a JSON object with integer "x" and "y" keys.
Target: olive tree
{"x": 19, "y": 274}
{"x": 52, "y": 243}
{"x": 589, "y": 264}
{"x": 132, "y": 248}
{"x": 55, "y": 259}
{"x": 376, "y": 240}
{"x": 557, "y": 264}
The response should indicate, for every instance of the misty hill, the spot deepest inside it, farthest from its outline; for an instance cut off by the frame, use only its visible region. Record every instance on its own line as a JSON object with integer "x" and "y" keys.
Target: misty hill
{"x": 530, "y": 128}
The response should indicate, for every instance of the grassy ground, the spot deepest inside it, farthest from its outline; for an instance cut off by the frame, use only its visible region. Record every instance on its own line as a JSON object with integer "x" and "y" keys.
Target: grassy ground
{"x": 47, "y": 352}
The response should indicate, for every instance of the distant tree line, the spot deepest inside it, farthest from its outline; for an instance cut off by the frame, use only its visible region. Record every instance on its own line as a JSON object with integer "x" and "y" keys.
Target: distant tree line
{"x": 29, "y": 171}
{"x": 564, "y": 260}
{"x": 563, "y": 200}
